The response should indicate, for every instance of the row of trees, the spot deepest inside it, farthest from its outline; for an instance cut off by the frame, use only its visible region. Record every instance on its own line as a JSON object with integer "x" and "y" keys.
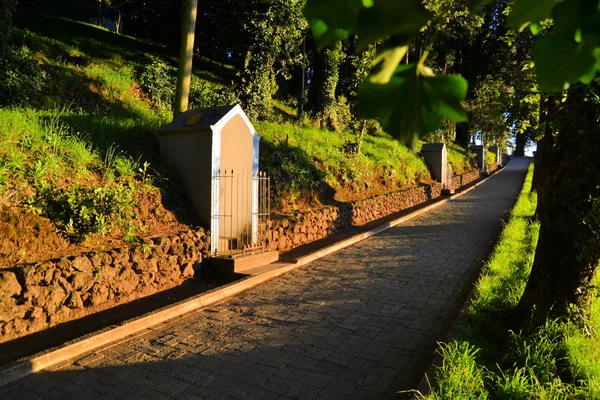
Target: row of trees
{"x": 566, "y": 48}
{"x": 419, "y": 56}
{"x": 415, "y": 99}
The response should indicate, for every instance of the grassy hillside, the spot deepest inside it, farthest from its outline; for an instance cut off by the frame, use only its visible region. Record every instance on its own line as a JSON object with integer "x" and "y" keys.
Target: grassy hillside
{"x": 79, "y": 164}
{"x": 305, "y": 156}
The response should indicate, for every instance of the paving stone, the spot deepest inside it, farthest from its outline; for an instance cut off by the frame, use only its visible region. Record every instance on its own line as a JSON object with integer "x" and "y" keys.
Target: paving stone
{"x": 361, "y": 323}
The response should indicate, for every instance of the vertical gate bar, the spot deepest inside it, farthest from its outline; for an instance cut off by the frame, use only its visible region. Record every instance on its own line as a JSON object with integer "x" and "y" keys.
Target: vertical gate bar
{"x": 259, "y": 190}
{"x": 264, "y": 228}
{"x": 231, "y": 213}
{"x": 247, "y": 195}
{"x": 264, "y": 206}
{"x": 243, "y": 227}
{"x": 261, "y": 237}
{"x": 237, "y": 204}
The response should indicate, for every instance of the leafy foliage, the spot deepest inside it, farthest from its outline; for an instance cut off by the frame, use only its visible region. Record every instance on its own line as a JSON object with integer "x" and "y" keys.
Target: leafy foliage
{"x": 80, "y": 211}
{"x": 21, "y": 77}
{"x": 157, "y": 79}
{"x": 434, "y": 97}
{"x": 275, "y": 37}
{"x": 335, "y": 20}
{"x": 525, "y": 12}
{"x": 6, "y": 21}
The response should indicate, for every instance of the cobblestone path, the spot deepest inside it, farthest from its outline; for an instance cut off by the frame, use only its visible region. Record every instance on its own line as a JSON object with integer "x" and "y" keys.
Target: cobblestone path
{"x": 361, "y": 323}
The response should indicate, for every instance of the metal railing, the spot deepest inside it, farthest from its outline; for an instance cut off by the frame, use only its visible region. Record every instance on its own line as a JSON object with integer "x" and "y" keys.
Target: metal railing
{"x": 241, "y": 207}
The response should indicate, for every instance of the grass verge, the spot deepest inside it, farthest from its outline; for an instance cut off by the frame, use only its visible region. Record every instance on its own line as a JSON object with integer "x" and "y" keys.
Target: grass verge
{"x": 559, "y": 360}
{"x": 299, "y": 157}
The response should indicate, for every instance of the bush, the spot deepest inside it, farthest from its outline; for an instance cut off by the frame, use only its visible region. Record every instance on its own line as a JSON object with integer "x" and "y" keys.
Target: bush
{"x": 6, "y": 16}
{"x": 204, "y": 95}
{"x": 337, "y": 116}
{"x": 490, "y": 158}
{"x": 158, "y": 80}
{"x": 81, "y": 211}
{"x": 21, "y": 76}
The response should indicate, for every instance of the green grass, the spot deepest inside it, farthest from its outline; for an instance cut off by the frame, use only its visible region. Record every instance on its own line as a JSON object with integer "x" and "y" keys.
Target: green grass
{"x": 460, "y": 159}
{"x": 93, "y": 126}
{"x": 318, "y": 154}
{"x": 493, "y": 358}
{"x": 583, "y": 351}
{"x": 82, "y": 148}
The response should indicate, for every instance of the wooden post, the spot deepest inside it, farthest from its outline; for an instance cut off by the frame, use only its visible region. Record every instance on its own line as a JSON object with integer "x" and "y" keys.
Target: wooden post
{"x": 186, "y": 55}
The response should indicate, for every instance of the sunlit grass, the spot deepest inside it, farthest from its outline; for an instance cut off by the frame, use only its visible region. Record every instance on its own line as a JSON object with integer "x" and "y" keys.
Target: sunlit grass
{"x": 487, "y": 360}
{"x": 382, "y": 156}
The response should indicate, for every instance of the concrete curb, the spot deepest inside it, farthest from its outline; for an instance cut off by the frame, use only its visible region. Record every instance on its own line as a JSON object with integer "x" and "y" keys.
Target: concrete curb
{"x": 114, "y": 333}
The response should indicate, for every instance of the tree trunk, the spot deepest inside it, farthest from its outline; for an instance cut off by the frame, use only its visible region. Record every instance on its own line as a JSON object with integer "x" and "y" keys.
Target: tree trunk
{"x": 542, "y": 126}
{"x": 99, "y": 13}
{"x": 547, "y": 122}
{"x": 118, "y": 20}
{"x": 325, "y": 79}
{"x": 462, "y": 134}
{"x": 568, "y": 249}
{"x": 186, "y": 55}
{"x": 521, "y": 140}
{"x": 302, "y": 95}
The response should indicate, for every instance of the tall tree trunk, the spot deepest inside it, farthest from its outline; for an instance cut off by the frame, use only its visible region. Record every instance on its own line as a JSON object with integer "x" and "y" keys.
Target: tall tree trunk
{"x": 568, "y": 250}
{"x": 543, "y": 127}
{"x": 118, "y": 20}
{"x": 325, "y": 80}
{"x": 521, "y": 140}
{"x": 99, "y": 13}
{"x": 302, "y": 95}
{"x": 462, "y": 134}
{"x": 186, "y": 55}
{"x": 547, "y": 123}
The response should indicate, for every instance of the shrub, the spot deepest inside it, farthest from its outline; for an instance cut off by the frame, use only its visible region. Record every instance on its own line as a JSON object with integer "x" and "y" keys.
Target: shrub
{"x": 337, "y": 116}
{"x": 157, "y": 79}
{"x": 202, "y": 95}
{"x": 490, "y": 158}
{"x": 81, "y": 211}
{"x": 6, "y": 16}
{"x": 21, "y": 76}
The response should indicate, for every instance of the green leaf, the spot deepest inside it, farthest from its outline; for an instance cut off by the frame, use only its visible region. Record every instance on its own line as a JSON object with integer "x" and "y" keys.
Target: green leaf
{"x": 525, "y": 12}
{"x": 390, "y": 17}
{"x": 385, "y": 64}
{"x": 560, "y": 61}
{"x": 414, "y": 101}
{"x": 333, "y": 20}
{"x": 475, "y": 4}
{"x": 535, "y": 27}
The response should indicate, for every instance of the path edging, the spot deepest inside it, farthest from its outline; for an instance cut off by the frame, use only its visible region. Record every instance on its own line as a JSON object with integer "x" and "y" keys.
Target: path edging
{"x": 114, "y": 333}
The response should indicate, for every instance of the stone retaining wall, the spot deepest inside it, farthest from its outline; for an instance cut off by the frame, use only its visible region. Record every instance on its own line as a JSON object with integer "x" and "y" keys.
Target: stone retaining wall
{"x": 40, "y": 295}
{"x": 37, "y": 296}
{"x": 459, "y": 181}
{"x": 305, "y": 227}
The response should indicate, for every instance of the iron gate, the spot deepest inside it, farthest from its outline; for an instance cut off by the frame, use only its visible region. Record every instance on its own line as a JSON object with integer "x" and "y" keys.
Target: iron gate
{"x": 241, "y": 207}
